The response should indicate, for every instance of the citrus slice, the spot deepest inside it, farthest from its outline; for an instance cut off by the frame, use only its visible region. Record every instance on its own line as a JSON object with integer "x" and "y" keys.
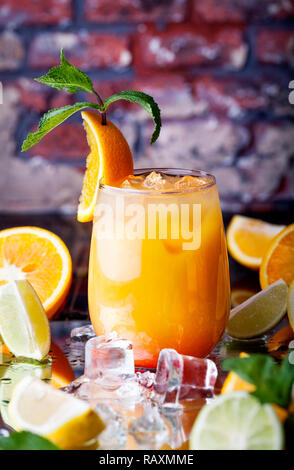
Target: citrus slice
{"x": 62, "y": 372}
{"x": 233, "y": 382}
{"x": 42, "y": 258}
{"x": 260, "y": 313}
{"x": 290, "y": 305}
{"x": 278, "y": 261}
{"x": 249, "y": 238}
{"x": 109, "y": 162}
{"x": 24, "y": 325}
{"x": 237, "y": 421}
{"x": 63, "y": 419}
{"x": 11, "y": 373}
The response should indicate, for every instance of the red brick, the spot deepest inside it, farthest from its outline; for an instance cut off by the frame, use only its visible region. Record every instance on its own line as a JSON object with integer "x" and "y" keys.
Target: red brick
{"x": 32, "y": 95}
{"x": 11, "y": 51}
{"x": 35, "y": 12}
{"x": 235, "y": 11}
{"x": 130, "y": 11}
{"x": 172, "y": 93}
{"x": 67, "y": 141}
{"x": 84, "y": 50}
{"x": 228, "y": 95}
{"x": 183, "y": 45}
{"x": 275, "y": 47}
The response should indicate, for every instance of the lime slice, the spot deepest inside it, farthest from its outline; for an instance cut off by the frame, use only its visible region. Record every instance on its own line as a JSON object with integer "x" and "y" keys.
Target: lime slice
{"x": 24, "y": 325}
{"x": 236, "y": 421}
{"x": 67, "y": 421}
{"x": 290, "y": 305}
{"x": 260, "y": 313}
{"x": 12, "y": 372}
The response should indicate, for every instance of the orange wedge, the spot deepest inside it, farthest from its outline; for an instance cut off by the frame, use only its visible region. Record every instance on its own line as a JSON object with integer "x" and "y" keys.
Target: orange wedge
{"x": 42, "y": 258}
{"x": 278, "y": 261}
{"x": 248, "y": 239}
{"x": 62, "y": 372}
{"x": 234, "y": 383}
{"x": 109, "y": 162}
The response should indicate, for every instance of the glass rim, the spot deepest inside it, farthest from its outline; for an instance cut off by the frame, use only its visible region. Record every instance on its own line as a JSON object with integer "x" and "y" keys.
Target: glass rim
{"x": 169, "y": 172}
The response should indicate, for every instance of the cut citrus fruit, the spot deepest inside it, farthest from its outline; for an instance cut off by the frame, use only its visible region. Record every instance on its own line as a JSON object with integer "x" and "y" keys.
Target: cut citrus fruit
{"x": 62, "y": 372}
{"x": 42, "y": 258}
{"x": 260, "y": 313}
{"x": 63, "y": 419}
{"x": 249, "y": 238}
{"x": 24, "y": 325}
{"x": 11, "y": 373}
{"x": 234, "y": 383}
{"x": 290, "y": 305}
{"x": 278, "y": 261}
{"x": 237, "y": 421}
{"x": 109, "y": 162}
{"x": 281, "y": 338}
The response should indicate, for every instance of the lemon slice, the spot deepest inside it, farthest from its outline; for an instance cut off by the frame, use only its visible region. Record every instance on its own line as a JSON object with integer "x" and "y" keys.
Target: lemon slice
{"x": 11, "y": 373}
{"x": 260, "y": 313}
{"x": 290, "y": 305}
{"x": 237, "y": 421}
{"x": 24, "y": 325}
{"x": 67, "y": 421}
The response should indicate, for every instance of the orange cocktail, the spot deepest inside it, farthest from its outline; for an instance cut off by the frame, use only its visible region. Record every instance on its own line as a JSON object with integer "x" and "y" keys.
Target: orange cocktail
{"x": 158, "y": 270}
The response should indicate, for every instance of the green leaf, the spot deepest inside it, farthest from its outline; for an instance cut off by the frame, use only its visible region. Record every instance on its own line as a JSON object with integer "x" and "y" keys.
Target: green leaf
{"x": 66, "y": 76}
{"x": 52, "y": 119}
{"x": 26, "y": 441}
{"x": 273, "y": 382}
{"x": 144, "y": 100}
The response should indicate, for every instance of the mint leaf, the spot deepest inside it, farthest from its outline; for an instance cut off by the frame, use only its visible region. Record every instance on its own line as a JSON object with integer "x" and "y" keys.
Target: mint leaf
{"x": 26, "y": 441}
{"x": 273, "y": 382}
{"x": 52, "y": 119}
{"x": 66, "y": 76}
{"x": 144, "y": 100}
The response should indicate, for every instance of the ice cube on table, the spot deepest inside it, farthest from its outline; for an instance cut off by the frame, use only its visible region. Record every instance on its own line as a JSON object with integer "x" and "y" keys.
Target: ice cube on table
{"x": 180, "y": 377}
{"x": 149, "y": 430}
{"x": 109, "y": 359}
{"x": 81, "y": 334}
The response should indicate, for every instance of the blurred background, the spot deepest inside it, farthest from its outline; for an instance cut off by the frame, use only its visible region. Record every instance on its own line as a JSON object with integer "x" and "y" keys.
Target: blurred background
{"x": 219, "y": 70}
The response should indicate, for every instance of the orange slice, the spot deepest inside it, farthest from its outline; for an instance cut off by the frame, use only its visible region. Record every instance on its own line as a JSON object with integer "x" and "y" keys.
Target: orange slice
{"x": 109, "y": 162}
{"x": 62, "y": 372}
{"x": 278, "y": 261}
{"x": 42, "y": 258}
{"x": 248, "y": 239}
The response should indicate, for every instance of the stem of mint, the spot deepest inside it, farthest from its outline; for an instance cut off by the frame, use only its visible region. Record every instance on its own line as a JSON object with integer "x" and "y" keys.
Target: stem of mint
{"x": 67, "y": 77}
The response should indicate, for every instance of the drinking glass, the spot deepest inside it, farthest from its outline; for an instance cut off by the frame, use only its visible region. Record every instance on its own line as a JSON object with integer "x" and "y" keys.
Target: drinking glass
{"x": 158, "y": 272}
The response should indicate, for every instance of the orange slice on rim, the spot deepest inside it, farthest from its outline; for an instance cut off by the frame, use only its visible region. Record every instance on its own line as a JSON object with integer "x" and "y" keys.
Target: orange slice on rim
{"x": 248, "y": 239}
{"x": 40, "y": 257}
{"x": 278, "y": 261}
{"x": 109, "y": 162}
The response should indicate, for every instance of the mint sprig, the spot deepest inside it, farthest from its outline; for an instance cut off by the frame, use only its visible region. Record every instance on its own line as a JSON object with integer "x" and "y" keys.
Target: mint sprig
{"x": 25, "y": 440}
{"x": 273, "y": 382}
{"x": 144, "y": 100}
{"x": 67, "y": 77}
{"x": 52, "y": 119}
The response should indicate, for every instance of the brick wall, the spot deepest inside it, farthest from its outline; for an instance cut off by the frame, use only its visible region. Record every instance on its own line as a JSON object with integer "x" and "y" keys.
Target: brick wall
{"x": 219, "y": 69}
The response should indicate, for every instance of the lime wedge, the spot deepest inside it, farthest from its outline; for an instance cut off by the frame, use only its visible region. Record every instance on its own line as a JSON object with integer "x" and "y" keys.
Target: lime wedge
{"x": 237, "y": 421}
{"x": 260, "y": 313}
{"x": 24, "y": 326}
